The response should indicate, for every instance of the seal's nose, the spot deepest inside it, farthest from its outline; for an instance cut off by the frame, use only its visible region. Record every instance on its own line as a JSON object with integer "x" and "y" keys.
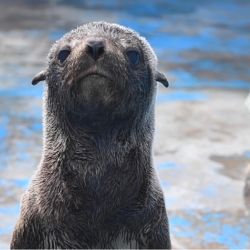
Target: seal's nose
{"x": 95, "y": 48}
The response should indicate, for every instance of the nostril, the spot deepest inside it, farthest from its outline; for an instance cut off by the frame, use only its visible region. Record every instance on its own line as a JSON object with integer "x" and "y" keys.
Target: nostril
{"x": 100, "y": 51}
{"x": 90, "y": 50}
{"x": 95, "y": 48}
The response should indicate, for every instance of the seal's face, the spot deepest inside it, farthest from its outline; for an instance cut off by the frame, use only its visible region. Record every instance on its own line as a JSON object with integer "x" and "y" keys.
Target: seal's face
{"x": 102, "y": 68}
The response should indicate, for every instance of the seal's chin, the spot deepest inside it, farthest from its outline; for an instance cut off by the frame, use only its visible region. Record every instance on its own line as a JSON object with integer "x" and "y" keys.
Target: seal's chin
{"x": 94, "y": 100}
{"x": 94, "y": 82}
{"x": 94, "y": 89}
{"x": 94, "y": 75}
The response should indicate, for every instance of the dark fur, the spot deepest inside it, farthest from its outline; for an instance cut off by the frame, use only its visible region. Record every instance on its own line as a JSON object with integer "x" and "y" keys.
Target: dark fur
{"x": 96, "y": 186}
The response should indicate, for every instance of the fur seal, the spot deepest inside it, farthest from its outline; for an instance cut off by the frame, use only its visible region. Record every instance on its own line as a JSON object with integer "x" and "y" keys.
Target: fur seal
{"x": 96, "y": 186}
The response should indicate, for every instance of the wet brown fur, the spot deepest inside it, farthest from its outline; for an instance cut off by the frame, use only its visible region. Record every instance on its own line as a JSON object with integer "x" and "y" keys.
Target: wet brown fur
{"x": 96, "y": 186}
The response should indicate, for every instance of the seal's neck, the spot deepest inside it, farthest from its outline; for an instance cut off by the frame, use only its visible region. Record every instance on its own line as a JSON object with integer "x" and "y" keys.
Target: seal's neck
{"x": 70, "y": 134}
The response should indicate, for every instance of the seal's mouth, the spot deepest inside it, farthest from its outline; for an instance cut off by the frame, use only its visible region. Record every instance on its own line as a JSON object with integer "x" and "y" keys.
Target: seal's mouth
{"x": 93, "y": 72}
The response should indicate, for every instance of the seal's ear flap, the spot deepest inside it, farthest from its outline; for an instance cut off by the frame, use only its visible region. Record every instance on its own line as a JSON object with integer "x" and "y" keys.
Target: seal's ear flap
{"x": 160, "y": 77}
{"x": 41, "y": 76}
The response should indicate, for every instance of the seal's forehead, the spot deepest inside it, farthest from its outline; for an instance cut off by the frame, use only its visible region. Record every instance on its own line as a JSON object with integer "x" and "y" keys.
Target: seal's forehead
{"x": 103, "y": 29}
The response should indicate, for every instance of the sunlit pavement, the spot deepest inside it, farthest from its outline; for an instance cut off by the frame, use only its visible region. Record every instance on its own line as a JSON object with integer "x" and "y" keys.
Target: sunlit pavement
{"x": 202, "y": 139}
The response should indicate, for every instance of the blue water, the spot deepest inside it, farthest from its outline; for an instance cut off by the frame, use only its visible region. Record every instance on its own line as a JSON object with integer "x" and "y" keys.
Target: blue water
{"x": 22, "y": 92}
{"x": 180, "y": 96}
{"x": 19, "y": 183}
{"x": 167, "y": 165}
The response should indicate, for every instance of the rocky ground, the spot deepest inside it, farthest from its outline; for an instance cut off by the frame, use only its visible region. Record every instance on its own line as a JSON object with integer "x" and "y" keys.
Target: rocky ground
{"x": 202, "y": 142}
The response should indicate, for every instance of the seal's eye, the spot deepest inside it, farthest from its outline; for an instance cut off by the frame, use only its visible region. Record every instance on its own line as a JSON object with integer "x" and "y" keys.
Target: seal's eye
{"x": 63, "y": 54}
{"x": 133, "y": 56}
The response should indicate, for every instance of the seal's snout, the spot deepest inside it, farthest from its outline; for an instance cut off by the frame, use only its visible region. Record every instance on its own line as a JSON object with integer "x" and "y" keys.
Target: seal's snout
{"x": 95, "y": 48}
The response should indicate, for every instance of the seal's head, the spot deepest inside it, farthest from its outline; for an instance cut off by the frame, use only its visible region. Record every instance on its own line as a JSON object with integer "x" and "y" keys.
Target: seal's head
{"x": 102, "y": 69}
